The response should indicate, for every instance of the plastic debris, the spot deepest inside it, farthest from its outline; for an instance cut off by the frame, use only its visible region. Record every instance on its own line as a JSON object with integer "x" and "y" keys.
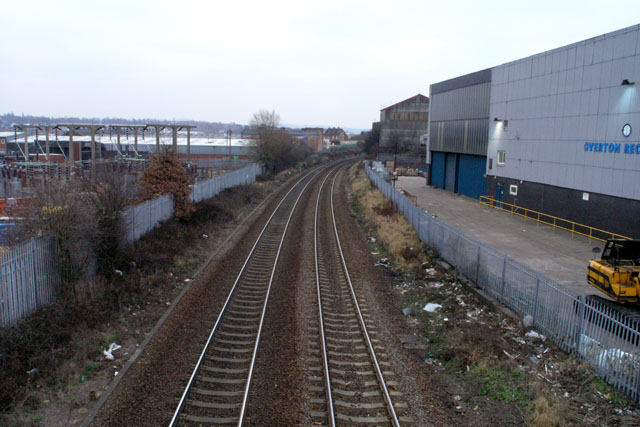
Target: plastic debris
{"x": 187, "y": 280}
{"x": 383, "y": 262}
{"x": 33, "y": 371}
{"x": 535, "y": 335}
{"x": 430, "y": 272}
{"x": 205, "y": 236}
{"x": 108, "y": 354}
{"x": 431, "y": 307}
{"x": 527, "y": 321}
{"x": 443, "y": 265}
{"x": 408, "y": 310}
{"x": 473, "y": 315}
{"x": 118, "y": 272}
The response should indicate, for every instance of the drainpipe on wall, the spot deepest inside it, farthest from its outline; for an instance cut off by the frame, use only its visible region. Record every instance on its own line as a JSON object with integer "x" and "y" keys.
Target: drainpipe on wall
{"x": 428, "y": 160}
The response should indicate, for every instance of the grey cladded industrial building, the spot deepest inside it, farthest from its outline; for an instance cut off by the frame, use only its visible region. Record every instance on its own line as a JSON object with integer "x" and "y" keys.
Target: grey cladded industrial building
{"x": 404, "y": 123}
{"x": 557, "y": 132}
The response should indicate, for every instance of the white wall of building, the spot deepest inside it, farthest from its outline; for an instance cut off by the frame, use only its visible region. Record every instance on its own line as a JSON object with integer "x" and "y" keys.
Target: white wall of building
{"x": 557, "y": 102}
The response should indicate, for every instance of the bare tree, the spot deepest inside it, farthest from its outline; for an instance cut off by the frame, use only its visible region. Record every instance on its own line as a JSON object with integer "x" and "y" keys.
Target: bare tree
{"x": 265, "y": 120}
{"x": 275, "y": 147}
{"x": 64, "y": 211}
{"x": 113, "y": 191}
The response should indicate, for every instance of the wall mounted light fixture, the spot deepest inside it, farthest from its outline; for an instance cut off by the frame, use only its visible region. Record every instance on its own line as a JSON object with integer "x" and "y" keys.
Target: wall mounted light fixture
{"x": 495, "y": 119}
{"x": 626, "y": 82}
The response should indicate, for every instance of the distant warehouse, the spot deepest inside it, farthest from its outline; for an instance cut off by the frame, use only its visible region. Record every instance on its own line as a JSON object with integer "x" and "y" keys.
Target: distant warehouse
{"x": 557, "y": 132}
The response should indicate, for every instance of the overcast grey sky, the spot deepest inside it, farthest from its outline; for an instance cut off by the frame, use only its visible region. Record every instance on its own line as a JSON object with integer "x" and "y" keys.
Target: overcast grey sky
{"x": 331, "y": 63}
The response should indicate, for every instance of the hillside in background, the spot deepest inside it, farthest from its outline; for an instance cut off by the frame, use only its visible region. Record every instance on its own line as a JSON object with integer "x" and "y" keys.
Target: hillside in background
{"x": 7, "y": 121}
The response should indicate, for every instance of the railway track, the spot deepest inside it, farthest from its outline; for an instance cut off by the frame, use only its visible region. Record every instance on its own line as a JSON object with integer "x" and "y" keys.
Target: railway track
{"x": 218, "y": 389}
{"x": 351, "y": 381}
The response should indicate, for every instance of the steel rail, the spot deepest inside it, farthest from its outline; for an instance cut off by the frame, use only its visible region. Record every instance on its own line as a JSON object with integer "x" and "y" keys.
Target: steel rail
{"x": 224, "y": 307}
{"x": 392, "y": 412}
{"x": 325, "y": 361}
{"x": 264, "y": 309}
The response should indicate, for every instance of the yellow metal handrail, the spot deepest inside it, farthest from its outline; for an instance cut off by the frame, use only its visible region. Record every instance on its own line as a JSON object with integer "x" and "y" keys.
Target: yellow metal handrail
{"x": 554, "y": 221}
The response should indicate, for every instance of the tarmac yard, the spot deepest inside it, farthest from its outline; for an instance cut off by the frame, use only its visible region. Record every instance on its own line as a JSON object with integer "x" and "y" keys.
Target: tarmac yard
{"x": 557, "y": 254}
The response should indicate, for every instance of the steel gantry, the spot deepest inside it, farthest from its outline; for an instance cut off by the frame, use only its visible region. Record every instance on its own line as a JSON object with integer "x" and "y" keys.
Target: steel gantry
{"x": 174, "y": 130}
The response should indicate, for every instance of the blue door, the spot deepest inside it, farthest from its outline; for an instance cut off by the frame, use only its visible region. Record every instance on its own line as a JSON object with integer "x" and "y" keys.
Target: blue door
{"x": 499, "y": 194}
{"x": 437, "y": 169}
{"x": 450, "y": 172}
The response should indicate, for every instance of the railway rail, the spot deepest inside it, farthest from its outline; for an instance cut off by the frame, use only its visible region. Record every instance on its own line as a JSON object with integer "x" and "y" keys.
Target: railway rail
{"x": 350, "y": 382}
{"x": 218, "y": 389}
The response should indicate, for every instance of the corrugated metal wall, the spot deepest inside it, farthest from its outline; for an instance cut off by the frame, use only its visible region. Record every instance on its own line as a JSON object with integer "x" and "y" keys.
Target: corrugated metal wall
{"x": 470, "y": 102}
{"x": 460, "y": 120}
{"x": 407, "y": 120}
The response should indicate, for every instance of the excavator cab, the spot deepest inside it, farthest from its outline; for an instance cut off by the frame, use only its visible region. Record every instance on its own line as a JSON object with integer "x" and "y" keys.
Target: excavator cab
{"x": 617, "y": 272}
{"x": 622, "y": 252}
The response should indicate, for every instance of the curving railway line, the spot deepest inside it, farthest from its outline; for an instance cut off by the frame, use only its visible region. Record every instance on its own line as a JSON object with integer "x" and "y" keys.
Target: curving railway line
{"x": 352, "y": 382}
{"x": 218, "y": 389}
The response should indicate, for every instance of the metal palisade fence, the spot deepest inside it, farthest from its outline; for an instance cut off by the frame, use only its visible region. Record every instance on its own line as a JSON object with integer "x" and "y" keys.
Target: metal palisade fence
{"x": 595, "y": 332}
{"x": 140, "y": 219}
{"x": 30, "y": 273}
{"x": 206, "y": 189}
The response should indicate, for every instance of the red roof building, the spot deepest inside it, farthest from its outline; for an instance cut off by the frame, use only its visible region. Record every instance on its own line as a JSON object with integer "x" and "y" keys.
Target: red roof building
{"x": 404, "y": 122}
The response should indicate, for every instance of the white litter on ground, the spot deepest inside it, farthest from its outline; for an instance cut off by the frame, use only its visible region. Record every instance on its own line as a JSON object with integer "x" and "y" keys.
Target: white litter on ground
{"x": 108, "y": 354}
{"x": 431, "y": 307}
{"x": 535, "y": 335}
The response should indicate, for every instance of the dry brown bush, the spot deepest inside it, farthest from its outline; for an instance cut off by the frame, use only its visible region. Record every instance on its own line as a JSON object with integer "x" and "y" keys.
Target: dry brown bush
{"x": 167, "y": 175}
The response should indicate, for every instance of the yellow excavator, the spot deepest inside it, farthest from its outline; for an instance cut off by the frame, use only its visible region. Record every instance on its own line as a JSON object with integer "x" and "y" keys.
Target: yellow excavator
{"x": 617, "y": 272}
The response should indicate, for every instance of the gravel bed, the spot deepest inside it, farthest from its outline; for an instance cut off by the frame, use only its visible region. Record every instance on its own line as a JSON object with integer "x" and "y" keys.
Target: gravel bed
{"x": 150, "y": 391}
{"x": 427, "y": 404}
{"x": 280, "y": 393}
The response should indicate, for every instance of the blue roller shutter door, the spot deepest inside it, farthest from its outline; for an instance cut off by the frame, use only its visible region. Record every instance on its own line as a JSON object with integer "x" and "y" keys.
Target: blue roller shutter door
{"x": 437, "y": 169}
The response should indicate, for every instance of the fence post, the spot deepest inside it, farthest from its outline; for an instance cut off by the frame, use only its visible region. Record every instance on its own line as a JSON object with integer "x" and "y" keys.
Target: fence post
{"x": 458, "y": 253}
{"x": 504, "y": 277}
{"x": 535, "y": 307}
{"x": 581, "y": 312}
{"x": 133, "y": 223}
{"x": 35, "y": 274}
{"x": 478, "y": 266}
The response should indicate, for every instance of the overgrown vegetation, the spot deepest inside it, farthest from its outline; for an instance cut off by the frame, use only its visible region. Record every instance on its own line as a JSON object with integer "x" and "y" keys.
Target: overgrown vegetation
{"x": 82, "y": 216}
{"x": 372, "y": 141}
{"x": 275, "y": 148}
{"x": 495, "y": 373}
{"x": 61, "y": 345}
{"x": 394, "y": 233}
